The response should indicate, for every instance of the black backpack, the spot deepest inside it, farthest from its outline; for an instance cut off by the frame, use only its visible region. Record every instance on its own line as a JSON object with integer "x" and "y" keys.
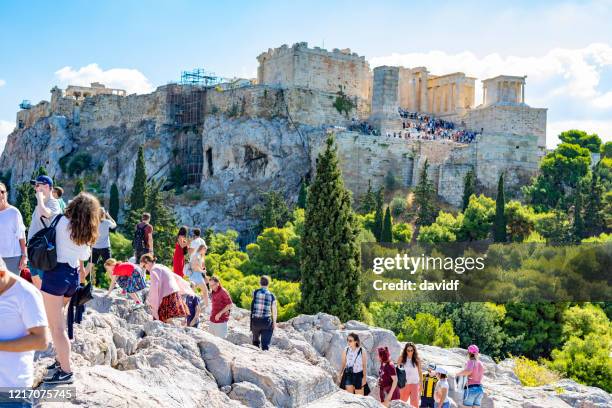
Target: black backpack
{"x": 139, "y": 240}
{"x": 401, "y": 376}
{"x": 42, "y": 251}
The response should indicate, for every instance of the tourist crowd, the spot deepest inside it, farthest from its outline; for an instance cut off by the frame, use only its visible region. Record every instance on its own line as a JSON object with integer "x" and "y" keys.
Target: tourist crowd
{"x": 37, "y": 282}
{"x": 416, "y": 125}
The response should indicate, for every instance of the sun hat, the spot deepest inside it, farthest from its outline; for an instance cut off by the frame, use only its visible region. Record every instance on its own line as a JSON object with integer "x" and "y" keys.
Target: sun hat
{"x": 473, "y": 349}
{"x": 431, "y": 366}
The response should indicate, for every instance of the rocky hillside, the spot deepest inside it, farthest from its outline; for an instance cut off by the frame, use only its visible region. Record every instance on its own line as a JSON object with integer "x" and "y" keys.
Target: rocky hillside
{"x": 123, "y": 358}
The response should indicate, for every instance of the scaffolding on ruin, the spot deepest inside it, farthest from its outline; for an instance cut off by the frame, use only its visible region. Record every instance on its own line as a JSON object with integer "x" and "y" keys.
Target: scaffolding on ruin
{"x": 200, "y": 77}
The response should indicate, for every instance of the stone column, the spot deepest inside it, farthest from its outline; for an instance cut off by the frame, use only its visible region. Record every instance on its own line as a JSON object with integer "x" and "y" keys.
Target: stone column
{"x": 385, "y": 99}
{"x": 523, "y": 92}
{"x": 424, "y": 92}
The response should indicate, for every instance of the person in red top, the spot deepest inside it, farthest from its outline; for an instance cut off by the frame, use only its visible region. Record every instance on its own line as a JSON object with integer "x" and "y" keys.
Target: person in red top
{"x": 127, "y": 275}
{"x": 180, "y": 249}
{"x": 221, "y": 306}
{"x": 387, "y": 377}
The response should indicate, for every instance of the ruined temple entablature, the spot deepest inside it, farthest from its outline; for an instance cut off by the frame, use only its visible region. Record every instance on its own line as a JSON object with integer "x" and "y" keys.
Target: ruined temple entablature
{"x": 95, "y": 89}
{"x": 503, "y": 90}
{"x": 315, "y": 68}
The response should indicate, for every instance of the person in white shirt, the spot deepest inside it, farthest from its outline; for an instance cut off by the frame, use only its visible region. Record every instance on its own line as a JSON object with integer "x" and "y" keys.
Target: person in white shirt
{"x": 47, "y": 207}
{"x": 441, "y": 391}
{"x": 197, "y": 242}
{"x": 23, "y": 329}
{"x": 12, "y": 239}
{"x": 101, "y": 250}
{"x": 74, "y": 233}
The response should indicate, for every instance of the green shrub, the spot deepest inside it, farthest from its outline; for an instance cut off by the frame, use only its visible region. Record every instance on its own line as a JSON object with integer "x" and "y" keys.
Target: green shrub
{"x": 121, "y": 246}
{"x": 426, "y": 329}
{"x": 398, "y": 206}
{"x": 402, "y": 232}
{"x": 532, "y": 374}
{"x": 80, "y": 162}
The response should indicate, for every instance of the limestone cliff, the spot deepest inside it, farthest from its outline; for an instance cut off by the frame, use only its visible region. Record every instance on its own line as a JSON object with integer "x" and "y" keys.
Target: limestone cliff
{"x": 122, "y": 358}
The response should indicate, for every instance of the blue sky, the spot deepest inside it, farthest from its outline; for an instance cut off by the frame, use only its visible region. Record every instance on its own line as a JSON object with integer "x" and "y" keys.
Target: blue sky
{"x": 565, "y": 48}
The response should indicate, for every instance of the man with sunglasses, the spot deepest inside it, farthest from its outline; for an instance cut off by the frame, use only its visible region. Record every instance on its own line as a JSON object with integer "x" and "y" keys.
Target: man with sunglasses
{"x": 12, "y": 239}
{"x": 47, "y": 207}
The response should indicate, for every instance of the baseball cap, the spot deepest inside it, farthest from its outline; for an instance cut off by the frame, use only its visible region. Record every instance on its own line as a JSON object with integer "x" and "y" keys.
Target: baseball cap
{"x": 441, "y": 371}
{"x": 431, "y": 366}
{"x": 473, "y": 349}
{"x": 42, "y": 180}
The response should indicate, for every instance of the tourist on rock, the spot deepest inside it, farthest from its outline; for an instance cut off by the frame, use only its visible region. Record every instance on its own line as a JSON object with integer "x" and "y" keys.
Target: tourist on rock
{"x": 428, "y": 387}
{"x": 12, "y": 239}
{"x": 23, "y": 329}
{"x": 410, "y": 362}
{"x": 47, "y": 207}
{"x": 263, "y": 314}
{"x": 195, "y": 270}
{"x": 387, "y": 378}
{"x": 474, "y": 370}
{"x": 221, "y": 306}
{"x": 143, "y": 237}
{"x": 102, "y": 248}
{"x": 76, "y": 230}
{"x": 58, "y": 192}
{"x": 196, "y": 242}
{"x": 353, "y": 370}
{"x": 127, "y": 275}
{"x": 180, "y": 250}
{"x": 165, "y": 291}
{"x": 441, "y": 392}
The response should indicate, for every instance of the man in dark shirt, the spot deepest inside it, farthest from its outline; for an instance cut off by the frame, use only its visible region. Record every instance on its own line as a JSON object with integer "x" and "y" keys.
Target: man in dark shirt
{"x": 143, "y": 237}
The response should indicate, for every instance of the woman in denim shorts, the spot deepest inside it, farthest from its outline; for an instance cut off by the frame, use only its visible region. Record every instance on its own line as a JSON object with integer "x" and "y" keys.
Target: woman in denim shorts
{"x": 474, "y": 369}
{"x": 75, "y": 232}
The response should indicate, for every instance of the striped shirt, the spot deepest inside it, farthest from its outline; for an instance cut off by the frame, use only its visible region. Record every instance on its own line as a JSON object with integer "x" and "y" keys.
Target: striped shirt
{"x": 429, "y": 386}
{"x": 262, "y": 303}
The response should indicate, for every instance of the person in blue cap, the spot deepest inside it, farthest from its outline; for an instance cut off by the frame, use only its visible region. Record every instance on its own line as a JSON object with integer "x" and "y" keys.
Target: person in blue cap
{"x": 47, "y": 207}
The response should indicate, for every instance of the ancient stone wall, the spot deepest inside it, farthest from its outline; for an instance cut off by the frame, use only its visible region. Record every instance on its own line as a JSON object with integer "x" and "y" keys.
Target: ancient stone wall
{"x": 518, "y": 120}
{"x": 27, "y": 117}
{"x": 315, "y": 68}
{"x": 385, "y": 99}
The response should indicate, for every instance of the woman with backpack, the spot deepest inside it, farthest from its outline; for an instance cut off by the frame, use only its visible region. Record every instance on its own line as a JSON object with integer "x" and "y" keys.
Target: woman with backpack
{"x": 474, "y": 370}
{"x": 410, "y": 363}
{"x": 387, "y": 378}
{"x": 353, "y": 372}
{"x": 75, "y": 232}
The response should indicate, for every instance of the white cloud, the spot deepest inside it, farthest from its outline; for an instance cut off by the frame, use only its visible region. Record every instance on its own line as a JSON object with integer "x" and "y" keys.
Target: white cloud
{"x": 566, "y": 81}
{"x": 6, "y": 127}
{"x": 2, "y": 82}
{"x": 603, "y": 128}
{"x": 132, "y": 80}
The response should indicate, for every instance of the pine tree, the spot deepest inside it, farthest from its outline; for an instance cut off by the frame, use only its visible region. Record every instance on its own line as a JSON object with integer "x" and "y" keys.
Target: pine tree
{"x": 500, "y": 222}
{"x": 468, "y": 188}
{"x": 138, "y": 194}
{"x": 378, "y": 217}
{"x": 578, "y": 225}
{"x": 113, "y": 202}
{"x": 42, "y": 171}
{"x": 164, "y": 223}
{"x": 23, "y": 201}
{"x": 387, "y": 231}
{"x": 330, "y": 263}
{"x": 368, "y": 200}
{"x": 425, "y": 198}
{"x": 303, "y": 195}
{"x": 78, "y": 187}
{"x": 593, "y": 219}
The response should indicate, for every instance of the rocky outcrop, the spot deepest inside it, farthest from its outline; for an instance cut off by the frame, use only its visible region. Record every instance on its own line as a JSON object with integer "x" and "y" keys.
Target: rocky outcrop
{"x": 122, "y": 358}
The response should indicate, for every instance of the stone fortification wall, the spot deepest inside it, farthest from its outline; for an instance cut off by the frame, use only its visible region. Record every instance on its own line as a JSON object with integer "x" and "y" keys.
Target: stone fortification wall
{"x": 27, "y": 117}
{"x": 385, "y": 99}
{"x": 517, "y": 120}
{"x": 315, "y": 68}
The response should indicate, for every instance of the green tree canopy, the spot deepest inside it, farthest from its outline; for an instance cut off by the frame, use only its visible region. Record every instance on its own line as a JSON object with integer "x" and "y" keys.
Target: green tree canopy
{"x": 138, "y": 193}
{"x": 425, "y": 198}
{"x": 330, "y": 265}
{"x": 469, "y": 188}
{"x": 427, "y": 329}
{"x": 582, "y": 139}
{"x": 368, "y": 200}
{"x": 303, "y": 194}
{"x": 500, "y": 223}
{"x": 273, "y": 212}
{"x": 387, "y": 232}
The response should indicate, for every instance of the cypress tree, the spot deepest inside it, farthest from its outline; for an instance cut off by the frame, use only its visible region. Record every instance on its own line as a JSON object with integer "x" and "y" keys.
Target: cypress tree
{"x": 578, "y": 225}
{"x": 500, "y": 222}
{"x": 23, "y": 201}
{"x": 387, "y": 231}
{"x": 368, "y": 200}
{"x": 425, "y": 199}
{"x": 378, "y": 218}
{"x": 303, "y": 195}
{"x": 330, "y": 264}
{"x": 469, "y": 188}
{"x": 113, "y": 202}
{"x": 138, "y": 194}
{"x": 593, "y": 219}
{"x": 163, "y": 221}
{"x": 78, "y": 187}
